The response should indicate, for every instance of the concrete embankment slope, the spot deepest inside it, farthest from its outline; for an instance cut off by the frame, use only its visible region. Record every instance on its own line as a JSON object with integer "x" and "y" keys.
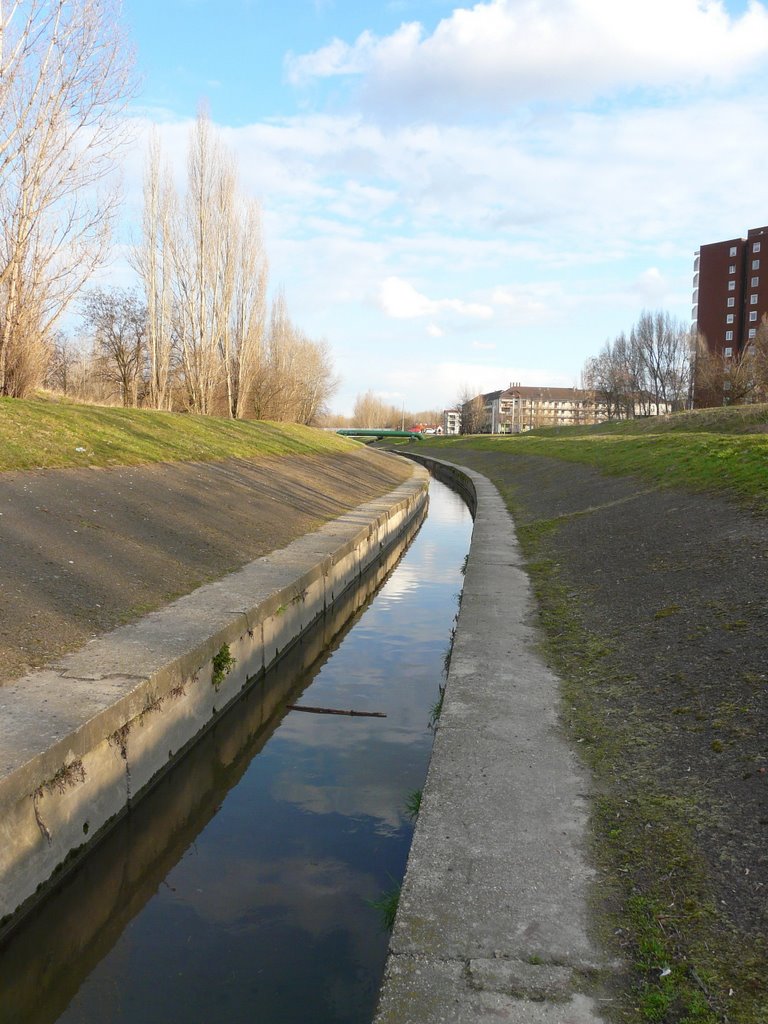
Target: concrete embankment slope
{"x": 81, "y": 740}
{"x": 492, "y": 923}
{"x": 87, "y": 549}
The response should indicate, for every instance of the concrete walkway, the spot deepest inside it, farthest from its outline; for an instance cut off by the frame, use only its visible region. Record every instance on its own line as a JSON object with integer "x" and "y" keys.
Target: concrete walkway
{"x": 493, "y": 916}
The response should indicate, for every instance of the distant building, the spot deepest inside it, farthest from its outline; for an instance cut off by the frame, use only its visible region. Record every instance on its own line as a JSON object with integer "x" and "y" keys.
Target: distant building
{"x": 519, "y": 408}
{"x": 427, "y": 428}
{"x": 730, "y": 291}
{"x": 451, "y": 421}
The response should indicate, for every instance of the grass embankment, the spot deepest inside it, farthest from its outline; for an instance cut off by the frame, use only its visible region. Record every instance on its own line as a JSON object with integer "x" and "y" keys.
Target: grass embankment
{"x": 689, "y": 963}
{"x": 719, "y": 450}
{"x": 46, "y": 434}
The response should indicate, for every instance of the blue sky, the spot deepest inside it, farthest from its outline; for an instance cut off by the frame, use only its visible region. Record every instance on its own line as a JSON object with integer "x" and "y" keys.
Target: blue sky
{"x": 459, "y": 197}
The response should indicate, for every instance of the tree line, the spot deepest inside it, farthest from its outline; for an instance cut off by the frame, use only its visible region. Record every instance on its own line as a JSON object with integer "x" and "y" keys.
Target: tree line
{"x": 199, "y": 333}
{"x": 370, "y": 411}
{"x": 664, "y": 366}
{"x": 645, "y": 372}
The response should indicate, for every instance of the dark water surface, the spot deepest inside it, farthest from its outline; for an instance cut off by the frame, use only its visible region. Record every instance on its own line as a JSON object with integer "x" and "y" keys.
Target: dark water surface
{"x": 239, "y": 890}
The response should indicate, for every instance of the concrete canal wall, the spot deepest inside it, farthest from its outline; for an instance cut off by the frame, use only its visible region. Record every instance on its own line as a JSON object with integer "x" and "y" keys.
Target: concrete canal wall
{"x": 493, "y": 917}
{"x": 84, "y": 738}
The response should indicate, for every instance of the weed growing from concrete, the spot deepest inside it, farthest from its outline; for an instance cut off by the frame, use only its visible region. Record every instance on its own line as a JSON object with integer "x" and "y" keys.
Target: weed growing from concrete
{"x": 71, "y": 774}
{"x": 387, "y": 906}
{"x": 437, "y": 707}
{"x": 152, "y": 703}
{"x": 222, "y": 663}
{"x": 68, "y": 776}
{"x": 413, "y": 804}
{"x": 449, "y": 652}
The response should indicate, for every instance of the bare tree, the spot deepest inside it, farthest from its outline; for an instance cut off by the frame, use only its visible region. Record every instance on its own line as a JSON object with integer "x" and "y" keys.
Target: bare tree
{"x": 205, "y": 271}
{"x": 270, "y": 391}
{"x": 194, "y": 253}
{"x": 664, "y": 350}
{"x": 64, "y": 78}
{"x": 249, "y": 307}
{"x": 758, "y": 350}
{"x": 473, "y": 414}
{"x": 118, "y": 322}
{"x": 647, "y": 372}
{"x": 152, "y": 259}
{"x": 317, "y": 382}
{"x": 72, "y": 370}
{"x": 369, "y": 411}
{"x": 733, "y": 379}
{"x": 295, "y": 377}
{"x": 426, "y": 416}
{"x": 205, "y": 274}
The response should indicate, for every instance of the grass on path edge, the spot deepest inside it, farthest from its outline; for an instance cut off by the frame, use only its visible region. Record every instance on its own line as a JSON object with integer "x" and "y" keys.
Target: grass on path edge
{"x": 45, "y": 433}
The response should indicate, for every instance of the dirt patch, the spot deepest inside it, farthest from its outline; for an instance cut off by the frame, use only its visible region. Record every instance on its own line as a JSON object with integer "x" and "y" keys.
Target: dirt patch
{"x": 671, "y": 591}
{"x": 84, "y": 550}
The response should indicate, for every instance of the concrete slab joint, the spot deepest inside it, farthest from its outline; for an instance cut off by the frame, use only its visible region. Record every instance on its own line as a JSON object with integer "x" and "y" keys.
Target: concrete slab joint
{"x": 493, "y": 916}
{"x": 82, "y": 739}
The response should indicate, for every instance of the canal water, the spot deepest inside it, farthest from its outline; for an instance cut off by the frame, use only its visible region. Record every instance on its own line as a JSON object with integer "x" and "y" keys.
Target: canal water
{"x": 242, "y": 889}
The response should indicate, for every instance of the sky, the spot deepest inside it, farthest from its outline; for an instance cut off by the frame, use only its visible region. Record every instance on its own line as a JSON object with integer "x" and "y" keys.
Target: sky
{"x": 459, "y": 197}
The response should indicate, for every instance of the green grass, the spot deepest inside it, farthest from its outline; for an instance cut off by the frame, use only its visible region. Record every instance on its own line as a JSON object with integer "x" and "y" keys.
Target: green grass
{"x": 387, "y": 906}
{"x": 737, "y": 419}
{"x": 437, "y": 708}
{"x": 44, "y": 433}
{"x": 413, "y": 804}
{"x": 221, "y": 665}
{"x": 712, "y": 450}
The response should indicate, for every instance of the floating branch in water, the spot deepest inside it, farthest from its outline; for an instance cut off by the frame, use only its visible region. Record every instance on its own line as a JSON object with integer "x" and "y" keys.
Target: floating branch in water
{"x": 336, "y": 711}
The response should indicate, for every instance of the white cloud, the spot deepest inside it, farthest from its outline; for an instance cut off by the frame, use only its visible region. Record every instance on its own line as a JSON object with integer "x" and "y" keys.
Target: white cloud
{"x": 531, "y": 303}
{"x": 400, "y": 300}
{"x": 543, "y": 236}
{"x": 504, "y": 51}
{"x": 652, "y": 287}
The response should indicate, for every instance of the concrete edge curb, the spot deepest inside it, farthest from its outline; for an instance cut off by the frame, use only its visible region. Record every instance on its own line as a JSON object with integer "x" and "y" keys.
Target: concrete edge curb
{"x": 84, "y": 738}
{"x": 493, "y": 918}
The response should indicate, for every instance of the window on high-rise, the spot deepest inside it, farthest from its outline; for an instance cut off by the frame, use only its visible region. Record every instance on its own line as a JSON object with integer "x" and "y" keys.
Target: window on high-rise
{"x": 753, "y": 316}
{"x": 731, "y": 302}
{"x": 753, "y": 300}
{"x": 755, "y": 264}
{"x": 754, "y": 282}
{"x": 752, "y": 332}
{"x": 728, "y": 352}
{"x": 732, "y": 268}
{"x": 755, "y": 247}
{"x": 729, "y": 318}
{"x": 731, "y": 286}
{"x": 733, "y": 251}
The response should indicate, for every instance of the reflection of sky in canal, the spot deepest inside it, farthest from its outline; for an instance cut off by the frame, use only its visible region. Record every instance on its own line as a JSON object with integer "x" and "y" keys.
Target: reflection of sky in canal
{"x": 266, "y": 915}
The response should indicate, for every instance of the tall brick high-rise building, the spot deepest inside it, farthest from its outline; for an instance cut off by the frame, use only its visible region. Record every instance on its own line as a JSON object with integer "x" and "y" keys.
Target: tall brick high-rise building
{"x": 730, "y": 291}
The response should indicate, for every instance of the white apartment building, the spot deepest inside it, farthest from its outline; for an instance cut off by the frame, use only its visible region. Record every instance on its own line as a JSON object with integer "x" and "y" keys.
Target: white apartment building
{"x": 451, "y": 421}
{"x": 518, "y": 408}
